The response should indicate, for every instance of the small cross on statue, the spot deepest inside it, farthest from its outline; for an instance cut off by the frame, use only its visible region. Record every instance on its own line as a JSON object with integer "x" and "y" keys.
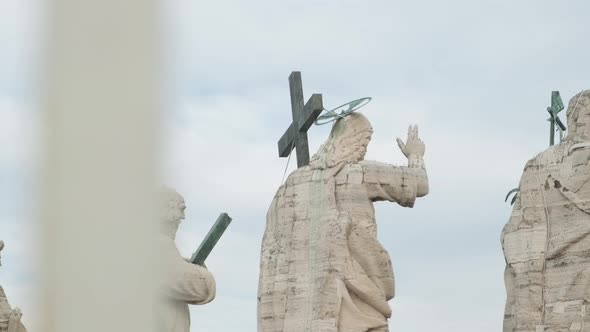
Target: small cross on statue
{"x": 556, "y": 107}
{"x": 303, "y": 118}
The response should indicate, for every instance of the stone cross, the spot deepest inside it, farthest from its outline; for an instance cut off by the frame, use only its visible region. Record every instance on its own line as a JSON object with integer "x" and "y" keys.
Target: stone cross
{"x": 303, "y": 118}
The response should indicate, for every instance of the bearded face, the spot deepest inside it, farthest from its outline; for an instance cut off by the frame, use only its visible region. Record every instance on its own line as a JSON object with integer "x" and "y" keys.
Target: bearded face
{"x": 176, "y": 207}
{"x": 172, "y": 211}
{"x": 347, "y": 142}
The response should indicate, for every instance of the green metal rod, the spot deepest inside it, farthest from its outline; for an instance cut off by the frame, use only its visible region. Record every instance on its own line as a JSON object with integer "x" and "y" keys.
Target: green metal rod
{"x": 211, "y": 239}
{"x": 552, "y": 134}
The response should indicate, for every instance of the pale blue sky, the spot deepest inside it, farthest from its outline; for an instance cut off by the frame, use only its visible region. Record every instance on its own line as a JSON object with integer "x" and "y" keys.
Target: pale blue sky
{"x": 475, "y": 76}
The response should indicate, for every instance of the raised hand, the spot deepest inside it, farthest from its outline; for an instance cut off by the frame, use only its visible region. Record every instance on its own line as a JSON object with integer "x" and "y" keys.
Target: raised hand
{"x": 414, "y": 145}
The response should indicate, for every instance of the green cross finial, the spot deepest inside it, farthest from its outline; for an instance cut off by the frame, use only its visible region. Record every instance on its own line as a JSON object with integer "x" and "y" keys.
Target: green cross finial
{"x": 556, "y": 107}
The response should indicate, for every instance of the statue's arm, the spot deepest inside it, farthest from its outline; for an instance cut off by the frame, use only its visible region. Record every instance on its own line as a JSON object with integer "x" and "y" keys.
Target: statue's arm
{"x": 195, "y": 285}
{"x": 188, "y": 282}
{"x": 385, "y": 182}
{"x": 399, "y": 184}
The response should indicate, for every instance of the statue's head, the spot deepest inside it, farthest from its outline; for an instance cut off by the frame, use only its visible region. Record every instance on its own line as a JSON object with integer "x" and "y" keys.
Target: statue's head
{"x": 578, "y": 117}
{"x": 347, "y": 142}
{"x": 172, "y": 210}
{"x": 1, "y": 247}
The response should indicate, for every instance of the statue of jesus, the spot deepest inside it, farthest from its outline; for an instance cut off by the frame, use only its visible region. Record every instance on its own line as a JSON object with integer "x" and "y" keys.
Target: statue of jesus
{"x": 322, "y": 267}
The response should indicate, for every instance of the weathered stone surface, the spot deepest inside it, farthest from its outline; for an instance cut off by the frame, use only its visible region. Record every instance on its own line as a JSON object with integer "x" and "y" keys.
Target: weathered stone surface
{"x": 9, "y": 317}
{"x": 546, "y": 242}
{"x": 322, "y": 267}
{"x": 185, "y": 283}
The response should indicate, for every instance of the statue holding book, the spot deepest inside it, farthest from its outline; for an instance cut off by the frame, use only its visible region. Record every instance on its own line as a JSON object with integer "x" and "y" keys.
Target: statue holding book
{"x": 185, "y": 282}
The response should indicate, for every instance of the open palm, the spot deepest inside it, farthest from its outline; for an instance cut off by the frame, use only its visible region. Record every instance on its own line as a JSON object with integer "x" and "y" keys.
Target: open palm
{"x": 413, "y": 145}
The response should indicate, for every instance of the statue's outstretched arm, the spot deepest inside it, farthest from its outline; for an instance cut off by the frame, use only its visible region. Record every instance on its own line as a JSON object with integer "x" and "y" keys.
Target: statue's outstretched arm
{"x": 398, "y": 184}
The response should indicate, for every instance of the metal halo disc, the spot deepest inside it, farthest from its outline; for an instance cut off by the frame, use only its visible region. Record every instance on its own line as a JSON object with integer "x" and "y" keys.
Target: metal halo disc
{"x": 344, "y": 109}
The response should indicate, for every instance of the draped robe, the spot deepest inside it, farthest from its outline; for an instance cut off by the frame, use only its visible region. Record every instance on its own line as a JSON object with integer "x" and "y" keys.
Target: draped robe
{"x": 322, "y": 267}
{"x": 546, "y": 244}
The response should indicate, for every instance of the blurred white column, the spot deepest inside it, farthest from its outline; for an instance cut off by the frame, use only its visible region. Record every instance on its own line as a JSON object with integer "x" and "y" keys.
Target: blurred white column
{"x": 101, "y": 98}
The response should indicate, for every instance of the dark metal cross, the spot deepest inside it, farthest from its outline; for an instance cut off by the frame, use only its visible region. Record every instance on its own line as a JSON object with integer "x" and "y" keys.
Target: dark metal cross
{"x": 303, "y": 118}
{"x": 556, "y": 107}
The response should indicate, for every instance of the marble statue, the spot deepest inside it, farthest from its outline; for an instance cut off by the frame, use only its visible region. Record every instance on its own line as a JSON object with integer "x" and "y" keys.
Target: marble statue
{"x": 322, "y": 267}
{"x": 9, "y": 317}
{"x": 184, "y": 283}
{"x": 546, "y": 242}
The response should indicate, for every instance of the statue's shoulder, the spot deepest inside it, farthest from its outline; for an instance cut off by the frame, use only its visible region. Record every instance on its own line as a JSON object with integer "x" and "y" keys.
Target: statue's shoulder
{"x": 298, "y": 176}
{"x": 167, "y": 247}
{"x": 367, "y": 163}
{"x": 551, "y": 155}
{"x": 372, "y": 164}
{"x": 532, "y": 162}
{"x": 351, "y": 173}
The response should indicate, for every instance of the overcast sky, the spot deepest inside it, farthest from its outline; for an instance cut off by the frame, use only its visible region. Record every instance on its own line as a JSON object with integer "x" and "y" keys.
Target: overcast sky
{"x": 476, "y": 76}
